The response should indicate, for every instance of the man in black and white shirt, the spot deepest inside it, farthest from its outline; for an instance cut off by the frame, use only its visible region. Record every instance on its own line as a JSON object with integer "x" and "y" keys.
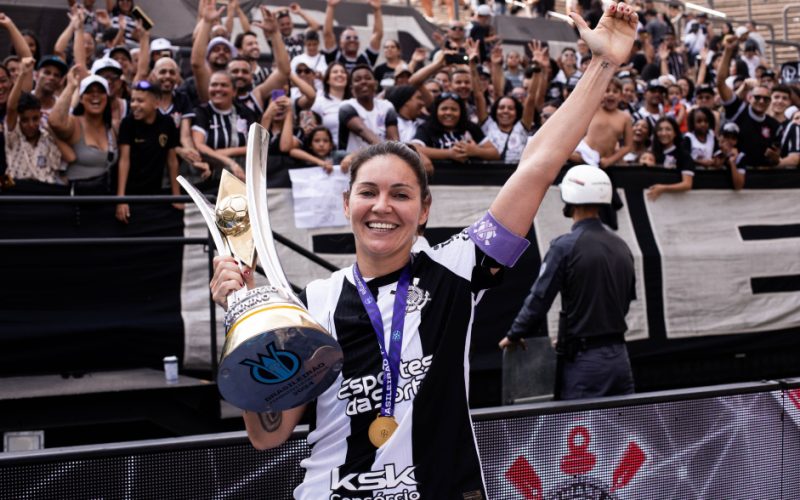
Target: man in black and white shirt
{"x": 294, "y": 43}
{"x": 347, "y": 51}
{"x": 246, "y": 44}
{"x": 757, "y": 130}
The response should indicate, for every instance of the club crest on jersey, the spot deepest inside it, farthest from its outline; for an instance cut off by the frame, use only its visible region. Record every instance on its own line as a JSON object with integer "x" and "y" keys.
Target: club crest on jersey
{"x": 417, "y": 297}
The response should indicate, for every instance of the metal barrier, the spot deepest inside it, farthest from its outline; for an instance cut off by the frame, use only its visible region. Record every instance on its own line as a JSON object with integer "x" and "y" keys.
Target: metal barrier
{"x": 154, "y": 240}
{"x": 732, "y": 441}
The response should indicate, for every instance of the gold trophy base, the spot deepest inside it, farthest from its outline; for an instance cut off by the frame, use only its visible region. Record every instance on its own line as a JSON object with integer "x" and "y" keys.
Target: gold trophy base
{"x": 276, "y": 356}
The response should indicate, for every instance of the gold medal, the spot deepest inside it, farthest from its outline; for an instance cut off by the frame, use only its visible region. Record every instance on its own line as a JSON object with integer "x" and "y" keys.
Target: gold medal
{"x": 381, "y": 429}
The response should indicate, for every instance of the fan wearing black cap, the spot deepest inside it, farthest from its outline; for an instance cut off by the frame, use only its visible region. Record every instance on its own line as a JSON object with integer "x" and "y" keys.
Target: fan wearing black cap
{"x": 652, "y": 105}
{"x": 31, "y": 149}
{"x": 50, "y": 73}
{"x": 757, "y": 130}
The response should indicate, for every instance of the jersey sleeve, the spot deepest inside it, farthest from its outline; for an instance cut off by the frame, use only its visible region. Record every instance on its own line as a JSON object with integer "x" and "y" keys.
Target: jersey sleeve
{"x": 685, "y": 161}
{"x": 489, "y": 238}
{"x": 200, "y": 120}
{"x": 346, "y": 113}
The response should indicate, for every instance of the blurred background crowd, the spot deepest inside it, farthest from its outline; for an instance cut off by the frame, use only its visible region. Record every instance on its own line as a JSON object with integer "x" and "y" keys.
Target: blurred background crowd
{"x": 110, "y": 110}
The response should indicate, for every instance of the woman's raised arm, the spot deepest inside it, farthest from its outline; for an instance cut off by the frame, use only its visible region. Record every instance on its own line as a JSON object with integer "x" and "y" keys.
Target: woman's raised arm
{"x": 547, "y": 151}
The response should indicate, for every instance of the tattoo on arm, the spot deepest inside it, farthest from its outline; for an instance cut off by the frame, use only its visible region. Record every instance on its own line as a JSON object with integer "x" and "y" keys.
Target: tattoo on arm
{"x": 270, "y": 422}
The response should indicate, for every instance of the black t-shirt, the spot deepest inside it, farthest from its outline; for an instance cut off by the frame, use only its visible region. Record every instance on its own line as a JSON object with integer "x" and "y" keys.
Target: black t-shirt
{"x": 383, "y": 71}
{"x": 295, "y": 44}
{"x": 755, "y": 135}
{"x": 368, "y": 57}
{"x": 445, "y": 140}
{"x": 676, "y": 157}
{"x": 180, "y": 108}
{"x": 149, "y": 145}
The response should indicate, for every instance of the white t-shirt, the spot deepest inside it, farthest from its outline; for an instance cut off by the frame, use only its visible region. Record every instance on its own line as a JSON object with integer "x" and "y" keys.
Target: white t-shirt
{"x": 408, "y": 128}
{"x": 512, "y": 143}
{"x": 328, "y": 109}
{"x": 376, "y": 120}
{"x": 701, "y": 150}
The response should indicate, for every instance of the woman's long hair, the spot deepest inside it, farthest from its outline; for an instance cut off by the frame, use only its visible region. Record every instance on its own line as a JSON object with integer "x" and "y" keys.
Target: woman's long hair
{"x": 326, "y": 88}
{"x": 677, "y": 141}
{"x": 433, "y": 121}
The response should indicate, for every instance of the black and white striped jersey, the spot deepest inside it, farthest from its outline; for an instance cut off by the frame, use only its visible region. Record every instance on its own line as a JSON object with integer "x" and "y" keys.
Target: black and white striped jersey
{"x": 223, "y": 129}
{"x": 433, "y": 453}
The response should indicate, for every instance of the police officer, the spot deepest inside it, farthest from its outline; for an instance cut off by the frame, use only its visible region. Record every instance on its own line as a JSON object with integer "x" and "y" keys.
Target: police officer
{"x": 593, "y": 269}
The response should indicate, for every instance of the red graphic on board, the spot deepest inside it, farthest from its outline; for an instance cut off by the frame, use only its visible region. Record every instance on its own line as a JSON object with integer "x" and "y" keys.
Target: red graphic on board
{"x": 631, "y": 461}
{"x": 578, "y": 459}
{"x": 794, "y": 397}
{"x": 525, "y": 479}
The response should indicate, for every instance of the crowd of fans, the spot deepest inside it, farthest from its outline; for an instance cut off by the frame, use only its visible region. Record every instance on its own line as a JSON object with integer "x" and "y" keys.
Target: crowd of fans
{"x": 107, "y": 110}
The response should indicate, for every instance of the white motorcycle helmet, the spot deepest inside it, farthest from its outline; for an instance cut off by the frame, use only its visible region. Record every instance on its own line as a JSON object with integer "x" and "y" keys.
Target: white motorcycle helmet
{"x": 586, "y": 185}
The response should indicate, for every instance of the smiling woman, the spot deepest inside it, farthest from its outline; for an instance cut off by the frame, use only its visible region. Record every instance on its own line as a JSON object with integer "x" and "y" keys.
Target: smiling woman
{"x": 364, "y": 119}
{"x": 88, "y": 130}
{"x": 396, "y": 422}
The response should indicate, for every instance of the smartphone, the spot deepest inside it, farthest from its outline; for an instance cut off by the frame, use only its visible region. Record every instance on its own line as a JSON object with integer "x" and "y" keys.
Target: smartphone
{"x": 277, "y": 93}
{"x": 138, "y": 13}
{"x": 459, "y": 58}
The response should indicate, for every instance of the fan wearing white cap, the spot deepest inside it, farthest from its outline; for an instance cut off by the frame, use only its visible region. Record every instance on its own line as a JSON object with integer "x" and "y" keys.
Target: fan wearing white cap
{"x": 593, "y": 270}
{"x": 88, "y": 130}
{"x": 111, "y": 71}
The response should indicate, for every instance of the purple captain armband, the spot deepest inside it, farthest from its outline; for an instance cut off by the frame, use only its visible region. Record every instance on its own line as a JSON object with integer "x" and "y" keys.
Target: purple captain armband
{"x": 496, "y": 241}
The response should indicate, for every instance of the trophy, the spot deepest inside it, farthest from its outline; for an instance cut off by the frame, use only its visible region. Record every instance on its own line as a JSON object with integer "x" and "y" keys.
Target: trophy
{"x": 276, "y": 356}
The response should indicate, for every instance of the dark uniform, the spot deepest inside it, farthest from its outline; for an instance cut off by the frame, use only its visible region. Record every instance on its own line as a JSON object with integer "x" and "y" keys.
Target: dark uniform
{"x": 593, "y": 269}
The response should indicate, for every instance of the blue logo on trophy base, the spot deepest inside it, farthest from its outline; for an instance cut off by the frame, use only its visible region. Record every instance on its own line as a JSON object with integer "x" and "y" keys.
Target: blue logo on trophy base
{"x": 274, "y": 368}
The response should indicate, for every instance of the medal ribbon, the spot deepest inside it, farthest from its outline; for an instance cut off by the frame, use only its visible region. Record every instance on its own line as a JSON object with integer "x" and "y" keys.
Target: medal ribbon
{"x": 390, "y": 357}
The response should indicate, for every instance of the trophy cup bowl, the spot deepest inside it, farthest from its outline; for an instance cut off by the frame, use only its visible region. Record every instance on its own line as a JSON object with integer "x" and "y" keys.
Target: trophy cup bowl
{"x": 276, "y": 356}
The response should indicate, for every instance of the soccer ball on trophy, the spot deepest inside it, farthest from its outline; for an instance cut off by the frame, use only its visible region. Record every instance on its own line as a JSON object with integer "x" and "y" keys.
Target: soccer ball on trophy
{"x": 232, "y": 216}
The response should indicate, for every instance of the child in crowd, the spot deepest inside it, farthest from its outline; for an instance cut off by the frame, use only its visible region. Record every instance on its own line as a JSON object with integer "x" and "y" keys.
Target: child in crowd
{"x": 32, "y": 151}
{"x": 729, "y": 156}
{"x": 675, "y": 108}
{"x": 700, "y": 141}
{"x": 318, "y": 149}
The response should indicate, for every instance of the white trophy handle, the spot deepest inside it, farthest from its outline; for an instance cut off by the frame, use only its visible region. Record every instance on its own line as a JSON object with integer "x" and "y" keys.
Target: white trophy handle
{"x": 207, "y": 211}
{"x": 256, "y": 174}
